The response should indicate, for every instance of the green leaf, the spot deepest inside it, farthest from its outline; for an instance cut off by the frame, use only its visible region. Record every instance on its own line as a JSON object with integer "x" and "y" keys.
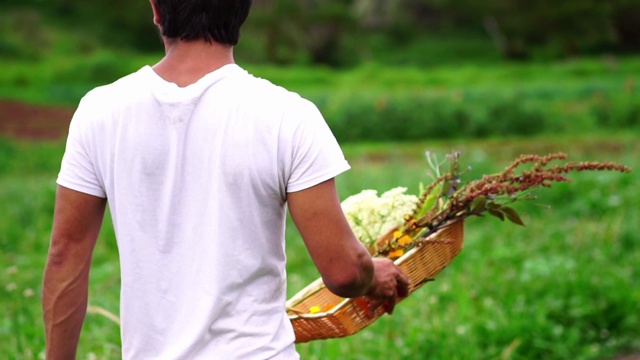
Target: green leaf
{"x": 446, "y": 187}
{"x": 430, "y": 201}
{"x": 512, "y": 215}
{"x": 493, "y": 206}
{"x": 496, "y": 213}
{"x": 478, "y": 204}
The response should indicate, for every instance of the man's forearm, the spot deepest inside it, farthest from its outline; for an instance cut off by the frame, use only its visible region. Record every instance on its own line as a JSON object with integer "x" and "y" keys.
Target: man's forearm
{"x": 64, "y": 303}
{"x": 76, "y": 225}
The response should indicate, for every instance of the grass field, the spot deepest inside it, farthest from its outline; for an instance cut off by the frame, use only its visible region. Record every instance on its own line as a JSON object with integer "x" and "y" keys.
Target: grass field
{"x": 63, "y": 79}
{"x": 563, "y": 287}
{"x": 372, "y": 102}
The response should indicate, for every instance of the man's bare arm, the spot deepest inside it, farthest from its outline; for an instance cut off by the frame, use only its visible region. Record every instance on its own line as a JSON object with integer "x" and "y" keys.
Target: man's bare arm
{"x": 76, "y": 224}
{"x": 342, "y": 260}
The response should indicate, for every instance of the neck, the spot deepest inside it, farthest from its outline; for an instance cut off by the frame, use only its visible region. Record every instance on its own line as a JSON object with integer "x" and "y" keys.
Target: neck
{"x": 185, "y": 62}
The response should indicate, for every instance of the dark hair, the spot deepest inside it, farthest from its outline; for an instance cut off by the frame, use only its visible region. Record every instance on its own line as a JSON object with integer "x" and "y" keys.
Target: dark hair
{"x": 210, "y": 20}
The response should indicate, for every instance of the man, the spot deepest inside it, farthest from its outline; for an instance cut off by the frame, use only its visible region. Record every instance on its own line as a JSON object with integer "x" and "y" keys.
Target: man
{"x": 198, "y": 160}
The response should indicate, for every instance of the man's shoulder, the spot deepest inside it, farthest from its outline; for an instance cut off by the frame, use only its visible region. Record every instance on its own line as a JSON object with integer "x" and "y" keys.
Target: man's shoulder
{"x": 101, "y": 103}
{"x": 259, "y": 88}
{"x": 124, "y": 89}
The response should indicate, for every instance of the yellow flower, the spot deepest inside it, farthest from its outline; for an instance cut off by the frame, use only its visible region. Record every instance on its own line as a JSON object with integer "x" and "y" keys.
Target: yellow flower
{"x": 314, "y": 309}
{"x": 396, "y": 254}
{"x": 405, "y": 240}
{"x": 397, "y": 234}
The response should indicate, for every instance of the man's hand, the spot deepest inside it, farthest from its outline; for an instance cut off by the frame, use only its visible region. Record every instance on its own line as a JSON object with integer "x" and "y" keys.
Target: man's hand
{"x": 76, "y": 224}
{"x": 388, "y": 286}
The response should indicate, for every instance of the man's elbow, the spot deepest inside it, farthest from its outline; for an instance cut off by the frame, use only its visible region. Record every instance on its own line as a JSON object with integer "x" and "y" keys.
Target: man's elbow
{"x": 354, "y": 280}
{"x": 60, "y": 251}
{"x": 68, "y": 251}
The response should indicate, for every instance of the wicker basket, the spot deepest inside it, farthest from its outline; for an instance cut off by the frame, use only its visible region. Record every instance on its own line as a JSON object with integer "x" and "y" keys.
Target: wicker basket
{"x": 343, "y": 317}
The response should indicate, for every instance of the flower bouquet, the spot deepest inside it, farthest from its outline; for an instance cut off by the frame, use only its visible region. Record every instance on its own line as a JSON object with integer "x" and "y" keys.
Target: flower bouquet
{"x": 423, "y": 233}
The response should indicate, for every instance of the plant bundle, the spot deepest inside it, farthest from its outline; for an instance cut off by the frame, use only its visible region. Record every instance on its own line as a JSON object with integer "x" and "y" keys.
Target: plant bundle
{"x": 424, "y": 233}
{"x": 448, "y": 199}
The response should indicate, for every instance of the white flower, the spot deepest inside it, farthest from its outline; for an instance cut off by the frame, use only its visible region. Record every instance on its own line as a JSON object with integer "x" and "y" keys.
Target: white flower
{"x": 371, "y": 216}
{"x": 28, "y": 293}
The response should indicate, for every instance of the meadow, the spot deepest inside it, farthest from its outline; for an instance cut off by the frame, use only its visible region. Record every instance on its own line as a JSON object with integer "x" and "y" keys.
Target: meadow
{"x": 566, "y": 286}
{"x": 379, "y": 102}
{"x": 563, "y": 287}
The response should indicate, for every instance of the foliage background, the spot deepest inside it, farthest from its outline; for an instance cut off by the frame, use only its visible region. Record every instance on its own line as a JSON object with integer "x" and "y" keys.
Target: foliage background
{"x": 393, "y": 78}
{"x": 347, "y": 32}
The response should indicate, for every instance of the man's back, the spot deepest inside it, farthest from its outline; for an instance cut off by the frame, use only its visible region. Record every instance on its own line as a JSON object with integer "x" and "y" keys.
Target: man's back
{"x": 197, "y": 160}
{"x": 197, "y": 180}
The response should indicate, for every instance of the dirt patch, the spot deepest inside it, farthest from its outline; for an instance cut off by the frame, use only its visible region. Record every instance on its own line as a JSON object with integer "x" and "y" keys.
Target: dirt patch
{"x": 629, "y": 357}
{"x": 33, "y": 122}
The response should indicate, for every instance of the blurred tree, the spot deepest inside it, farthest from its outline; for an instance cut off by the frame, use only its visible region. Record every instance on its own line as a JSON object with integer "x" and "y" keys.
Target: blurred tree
{"x": 24, "y": 35}
{"x": 295, "y": 29}
{"x": 279, "y": 23}
{"x": 133, "y": 27}
{"x": 625, "y": 24}
{"x": 334, "y": 32}
{"x": 377, "y": 14}
{"x": 520, "y": 28}
{"x": 326, "y": 24}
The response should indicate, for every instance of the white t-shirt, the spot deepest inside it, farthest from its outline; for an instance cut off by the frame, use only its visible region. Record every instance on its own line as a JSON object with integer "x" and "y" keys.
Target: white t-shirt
{"x": 197, "y": 180}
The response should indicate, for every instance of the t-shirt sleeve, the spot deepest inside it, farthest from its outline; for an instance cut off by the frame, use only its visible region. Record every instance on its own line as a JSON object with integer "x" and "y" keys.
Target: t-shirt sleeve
{"x": 315, "y": 153}
{"x": 77, "y": 171}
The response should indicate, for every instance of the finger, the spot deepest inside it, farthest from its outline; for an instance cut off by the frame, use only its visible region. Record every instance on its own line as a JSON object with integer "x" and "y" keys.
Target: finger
{"x": 402, "y": 285}
{"x": 373, "y": 306}
{"x": 403, "y": 278}
{"x": 389, "y": 305}
{"x": 402, "y": 290}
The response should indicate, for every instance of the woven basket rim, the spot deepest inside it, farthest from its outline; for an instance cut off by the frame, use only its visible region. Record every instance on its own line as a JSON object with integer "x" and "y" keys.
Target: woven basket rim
{"x": 300, "y": 295}
{"x": 347, "y": 316}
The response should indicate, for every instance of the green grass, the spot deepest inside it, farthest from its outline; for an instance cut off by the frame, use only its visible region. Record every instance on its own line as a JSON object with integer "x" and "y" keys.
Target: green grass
{"x": 64, "y": 79}
{"x": 564, "y": 286}
{"x": 445, "y": 101}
